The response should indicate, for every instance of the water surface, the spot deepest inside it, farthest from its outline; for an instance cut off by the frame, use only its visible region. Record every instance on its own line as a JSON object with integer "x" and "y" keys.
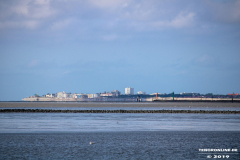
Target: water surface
{"x": 117, "y": 135}
{"x": 118, "y": 145}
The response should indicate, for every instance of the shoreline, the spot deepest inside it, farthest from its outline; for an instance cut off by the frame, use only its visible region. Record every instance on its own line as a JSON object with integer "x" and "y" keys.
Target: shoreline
{"x": 132, "y": 99}
{"x": 116, "y": 111}
{"x": 223, "y": 105}
{"x": 155, "y": 101}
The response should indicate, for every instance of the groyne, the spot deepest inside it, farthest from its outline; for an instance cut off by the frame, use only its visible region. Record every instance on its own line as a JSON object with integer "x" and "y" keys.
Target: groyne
{"x": 116, "y": 111}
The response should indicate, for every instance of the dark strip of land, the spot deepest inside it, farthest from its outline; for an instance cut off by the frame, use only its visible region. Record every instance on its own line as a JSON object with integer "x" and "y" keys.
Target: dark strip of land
{"x": 116, "y": 111}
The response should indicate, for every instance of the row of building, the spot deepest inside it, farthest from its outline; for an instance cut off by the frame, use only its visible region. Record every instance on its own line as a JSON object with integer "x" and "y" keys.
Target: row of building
{"x": 114, "y": 93}
{"x": 130, "y": 91}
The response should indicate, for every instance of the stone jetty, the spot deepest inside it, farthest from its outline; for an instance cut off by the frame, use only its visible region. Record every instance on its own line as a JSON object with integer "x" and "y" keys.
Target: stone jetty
{"x": 117, "y": 111}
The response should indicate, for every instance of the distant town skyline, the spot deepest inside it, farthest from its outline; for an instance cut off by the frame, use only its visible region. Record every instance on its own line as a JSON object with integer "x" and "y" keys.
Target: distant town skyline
{"x": 129, "y": 96}
{"x": 128, "y": 91}
{"x": 94, "y": 46}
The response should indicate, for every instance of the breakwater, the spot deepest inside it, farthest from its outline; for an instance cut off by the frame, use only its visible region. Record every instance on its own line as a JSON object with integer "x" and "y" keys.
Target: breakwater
{"x": 117, "y": 111}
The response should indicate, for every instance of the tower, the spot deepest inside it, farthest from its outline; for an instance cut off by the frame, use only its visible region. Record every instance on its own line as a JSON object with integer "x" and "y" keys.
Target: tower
{"x": 129, "y": 90}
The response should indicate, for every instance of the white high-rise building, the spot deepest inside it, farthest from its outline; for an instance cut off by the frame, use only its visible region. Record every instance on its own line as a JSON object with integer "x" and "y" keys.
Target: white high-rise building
{"x": 129, "y": 90}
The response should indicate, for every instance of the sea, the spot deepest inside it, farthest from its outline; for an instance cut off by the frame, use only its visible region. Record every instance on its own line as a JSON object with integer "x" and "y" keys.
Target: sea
{"x": 119, "y": 135}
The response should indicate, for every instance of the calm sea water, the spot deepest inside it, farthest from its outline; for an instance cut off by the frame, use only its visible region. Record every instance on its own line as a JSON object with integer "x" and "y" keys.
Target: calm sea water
{"x": 85, "y": 122}
{"x": 118, "y": 136}
{"x": 118, "y": 145}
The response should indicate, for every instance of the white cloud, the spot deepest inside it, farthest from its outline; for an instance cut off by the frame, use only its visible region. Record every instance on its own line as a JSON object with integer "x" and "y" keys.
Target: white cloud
{"x": 145, "y": 15}
{"x": 42, "y": 2}
{"x": 116, "y": 15}
{"x": 109, "y": 3}
{"x": 226, "y": 12}
{"x": 28, "y": 24}
{"x": 180, "y": 21}
{"x": 32, "y": 9}
{"x": 21, "y": 8}
{"x": 31, "y": 24}
{"x": 25, "y": 13}
{"x": 183, "y": 20}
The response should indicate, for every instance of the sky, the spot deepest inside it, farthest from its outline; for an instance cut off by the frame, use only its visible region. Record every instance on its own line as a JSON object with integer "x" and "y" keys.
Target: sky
{"x": 92, "y": 46}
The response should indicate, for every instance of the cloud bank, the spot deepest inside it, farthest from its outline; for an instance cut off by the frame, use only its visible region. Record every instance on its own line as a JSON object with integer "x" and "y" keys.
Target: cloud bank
{"x": 116, "y": 15}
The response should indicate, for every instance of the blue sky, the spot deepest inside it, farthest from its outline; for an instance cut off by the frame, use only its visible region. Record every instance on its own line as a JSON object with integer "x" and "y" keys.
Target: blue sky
{"x": 92, "y": 46}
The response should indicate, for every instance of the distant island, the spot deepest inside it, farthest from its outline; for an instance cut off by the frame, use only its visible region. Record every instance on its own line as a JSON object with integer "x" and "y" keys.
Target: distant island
{"x": 129, "y": 96}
